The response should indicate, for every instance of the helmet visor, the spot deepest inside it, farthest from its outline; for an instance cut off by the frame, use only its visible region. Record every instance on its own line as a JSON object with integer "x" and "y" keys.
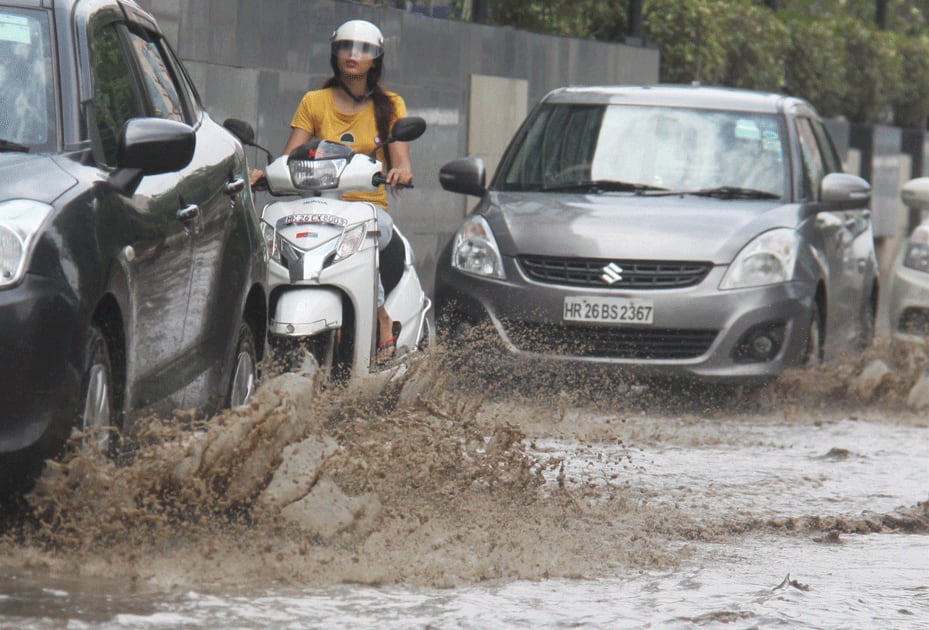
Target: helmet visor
{"x": 351, "y": 49}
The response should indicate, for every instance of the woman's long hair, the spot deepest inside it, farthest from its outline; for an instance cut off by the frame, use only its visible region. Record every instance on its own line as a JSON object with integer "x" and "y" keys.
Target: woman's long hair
{"x": 383, "y": 106}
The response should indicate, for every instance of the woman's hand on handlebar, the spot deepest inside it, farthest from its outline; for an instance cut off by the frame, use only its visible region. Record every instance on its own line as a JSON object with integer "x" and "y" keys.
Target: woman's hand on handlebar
{"x": 257, "y": 180}
{"x": 400, "y": 177}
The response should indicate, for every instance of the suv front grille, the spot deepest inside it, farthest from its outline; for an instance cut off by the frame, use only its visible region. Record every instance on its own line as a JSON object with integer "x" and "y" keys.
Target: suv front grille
{"x": 635, "y": 274}
{"x": 610, "y": 341}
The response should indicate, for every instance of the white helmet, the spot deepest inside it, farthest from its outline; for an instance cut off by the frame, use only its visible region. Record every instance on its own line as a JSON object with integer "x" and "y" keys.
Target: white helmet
{"x": 359, "y": 37}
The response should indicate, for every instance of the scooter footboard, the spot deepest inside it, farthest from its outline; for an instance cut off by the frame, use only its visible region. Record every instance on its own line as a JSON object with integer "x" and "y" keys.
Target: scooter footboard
{"x": 307, "y": 311}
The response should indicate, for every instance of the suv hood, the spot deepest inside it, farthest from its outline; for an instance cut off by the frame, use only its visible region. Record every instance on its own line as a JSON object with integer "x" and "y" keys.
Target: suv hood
{"x": 631, "y": 227}
{"x": 32, "y": 176}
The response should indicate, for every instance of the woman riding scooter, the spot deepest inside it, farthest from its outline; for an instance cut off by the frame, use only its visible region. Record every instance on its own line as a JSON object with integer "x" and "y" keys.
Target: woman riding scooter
{"x": 352, "y": 108}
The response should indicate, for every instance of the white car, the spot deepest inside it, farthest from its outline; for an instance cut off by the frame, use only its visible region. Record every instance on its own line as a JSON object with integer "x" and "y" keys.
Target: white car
{"x": 909, "y": 288}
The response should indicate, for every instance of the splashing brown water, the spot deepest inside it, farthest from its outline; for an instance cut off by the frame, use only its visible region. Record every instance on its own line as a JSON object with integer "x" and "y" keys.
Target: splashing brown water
{"x": 447, "y": 485}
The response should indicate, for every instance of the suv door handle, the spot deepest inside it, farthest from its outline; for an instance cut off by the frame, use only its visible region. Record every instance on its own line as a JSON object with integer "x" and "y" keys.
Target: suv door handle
{"x": 188, "y": 213}
{"x": 235, "y": 186}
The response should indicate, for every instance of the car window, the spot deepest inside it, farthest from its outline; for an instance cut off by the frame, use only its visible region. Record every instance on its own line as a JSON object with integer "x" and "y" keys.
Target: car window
{"x": 115, "y": 97}
{"x": 813, "y": 167}
{"x": 666, "y": 147}
{"x": 159, "y": 82}
{"x": 27, "y": 87}
{"x": 831, "y": 160}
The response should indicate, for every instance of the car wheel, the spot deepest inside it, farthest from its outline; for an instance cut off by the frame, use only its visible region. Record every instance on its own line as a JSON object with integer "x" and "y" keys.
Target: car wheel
{"x": 868, "y": 324}
{"x": 813, "y": 353}
{"x": 244, "y": 368}
{"x": 97, "y": 418}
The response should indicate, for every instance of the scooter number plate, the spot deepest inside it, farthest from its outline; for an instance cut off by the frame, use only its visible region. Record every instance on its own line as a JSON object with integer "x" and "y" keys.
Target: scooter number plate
{"x": 315, "y": 219}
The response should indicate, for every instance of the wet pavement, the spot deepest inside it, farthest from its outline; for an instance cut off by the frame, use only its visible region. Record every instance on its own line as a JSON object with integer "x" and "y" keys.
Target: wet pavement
{"x": 537, "y": 500}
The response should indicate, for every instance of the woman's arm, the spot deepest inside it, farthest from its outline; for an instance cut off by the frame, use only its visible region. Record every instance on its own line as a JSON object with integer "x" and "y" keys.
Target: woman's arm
{"x": 297, "y": 137}
{"x": 401, "y": 171}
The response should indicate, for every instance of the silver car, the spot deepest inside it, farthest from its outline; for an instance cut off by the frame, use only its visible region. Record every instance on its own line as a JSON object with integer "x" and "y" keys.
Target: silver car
{"x": 677, "y": 230}
{"x": 909, "y": 288}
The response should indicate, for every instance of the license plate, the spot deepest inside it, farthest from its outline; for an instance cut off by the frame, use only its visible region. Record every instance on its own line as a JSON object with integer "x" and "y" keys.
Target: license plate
{"x": 608, "y": 310}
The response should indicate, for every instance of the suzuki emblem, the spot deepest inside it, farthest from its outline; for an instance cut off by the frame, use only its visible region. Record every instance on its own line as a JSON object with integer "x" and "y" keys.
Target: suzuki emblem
{"x": 612, "y": 273}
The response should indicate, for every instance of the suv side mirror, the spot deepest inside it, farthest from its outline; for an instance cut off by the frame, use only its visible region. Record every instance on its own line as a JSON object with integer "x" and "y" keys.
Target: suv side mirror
{"x": 150, "y": 146}
{"x": 465, "y": 175}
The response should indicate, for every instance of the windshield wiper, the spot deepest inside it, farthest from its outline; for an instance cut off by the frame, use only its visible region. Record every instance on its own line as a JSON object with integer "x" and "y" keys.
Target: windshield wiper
{"x": 6, "y": 145}
{"x": 600, "y": 185}
{"x": 733, "y": 192}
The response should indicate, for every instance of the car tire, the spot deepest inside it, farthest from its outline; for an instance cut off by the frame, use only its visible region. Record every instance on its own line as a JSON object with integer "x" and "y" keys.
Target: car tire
{"x": 813, "y": 351}
{"x": 868, "y": 323}
{"x": 97, "y": 416}
{"x": 244, "y": 377}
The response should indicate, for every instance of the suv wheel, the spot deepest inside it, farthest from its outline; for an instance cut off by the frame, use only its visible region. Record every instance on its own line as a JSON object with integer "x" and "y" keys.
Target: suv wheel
{"x": 97, "y": 420}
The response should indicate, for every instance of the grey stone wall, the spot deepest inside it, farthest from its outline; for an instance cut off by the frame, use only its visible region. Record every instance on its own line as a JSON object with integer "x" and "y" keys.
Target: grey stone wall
{"x": 254, "y": 59}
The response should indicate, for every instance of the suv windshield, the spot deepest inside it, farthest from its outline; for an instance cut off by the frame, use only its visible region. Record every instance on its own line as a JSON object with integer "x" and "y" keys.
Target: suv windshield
{"x": 27, "y": 97}
{"x": 638, "y": 149}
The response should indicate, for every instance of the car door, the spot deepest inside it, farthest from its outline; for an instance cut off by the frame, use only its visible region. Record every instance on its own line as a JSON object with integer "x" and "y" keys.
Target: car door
{"x": 210, "y": 191}
{"x": 149, "y": 227}
{"x": 835, "y": 237}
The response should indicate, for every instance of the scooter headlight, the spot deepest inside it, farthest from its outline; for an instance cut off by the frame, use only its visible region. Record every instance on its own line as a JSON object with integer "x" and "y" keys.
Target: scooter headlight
{"x": 316, "y": 174}
{"x": 271, "y": 240}
{"x": 350, "y": 241}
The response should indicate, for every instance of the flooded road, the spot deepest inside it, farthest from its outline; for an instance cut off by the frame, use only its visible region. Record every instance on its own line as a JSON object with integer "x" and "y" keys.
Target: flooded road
{"x": 536, "y": 498}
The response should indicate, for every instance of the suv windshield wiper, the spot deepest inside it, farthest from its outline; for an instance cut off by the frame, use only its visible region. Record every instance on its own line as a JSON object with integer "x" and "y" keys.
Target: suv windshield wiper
{"x": 6, "y": 145}
{"x": 733, "y": 192}
{"x": 600, "y": 185}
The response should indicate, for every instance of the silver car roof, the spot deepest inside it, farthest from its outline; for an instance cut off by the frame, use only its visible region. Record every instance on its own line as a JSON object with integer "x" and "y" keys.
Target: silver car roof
{"x": 702, "y": 97}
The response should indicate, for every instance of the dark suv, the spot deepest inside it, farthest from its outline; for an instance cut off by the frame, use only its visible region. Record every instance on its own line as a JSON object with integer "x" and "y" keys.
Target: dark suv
{"x": 132, "y": 270}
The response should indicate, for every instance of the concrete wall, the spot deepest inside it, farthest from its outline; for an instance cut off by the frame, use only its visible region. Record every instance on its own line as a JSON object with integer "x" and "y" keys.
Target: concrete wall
{"x": 472, "y": 83}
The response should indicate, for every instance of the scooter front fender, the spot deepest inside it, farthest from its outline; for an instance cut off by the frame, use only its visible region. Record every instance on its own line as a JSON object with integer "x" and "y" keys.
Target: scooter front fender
{"x": 306, "y": 311}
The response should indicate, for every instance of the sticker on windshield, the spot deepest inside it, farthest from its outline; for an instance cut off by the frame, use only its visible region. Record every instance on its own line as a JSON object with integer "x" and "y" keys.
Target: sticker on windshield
{"x": 747, "y": 129}
{"x": 14, "y": 28}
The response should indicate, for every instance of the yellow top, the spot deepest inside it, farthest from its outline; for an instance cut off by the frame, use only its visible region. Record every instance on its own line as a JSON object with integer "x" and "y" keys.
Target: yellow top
{"x": 318, "y": 115}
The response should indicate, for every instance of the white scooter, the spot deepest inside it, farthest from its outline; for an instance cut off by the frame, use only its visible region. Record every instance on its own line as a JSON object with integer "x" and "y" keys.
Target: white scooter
{"x": 324, "y": 260}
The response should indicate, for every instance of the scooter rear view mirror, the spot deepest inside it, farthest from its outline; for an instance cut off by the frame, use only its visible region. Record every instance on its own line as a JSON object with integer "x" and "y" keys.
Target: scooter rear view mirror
{"x": 407, "y": 129}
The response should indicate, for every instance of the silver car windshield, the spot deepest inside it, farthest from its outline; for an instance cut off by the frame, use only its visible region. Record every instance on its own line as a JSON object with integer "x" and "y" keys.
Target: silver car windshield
{"x": 27, "y": 96}
{"x": 598, "y": 148}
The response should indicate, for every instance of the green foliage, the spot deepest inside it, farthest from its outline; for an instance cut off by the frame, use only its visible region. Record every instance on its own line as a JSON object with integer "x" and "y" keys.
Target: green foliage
{"x": 830, "y": 52}
{"x": 911, "y": 102}
{"x": 583, "y": 19}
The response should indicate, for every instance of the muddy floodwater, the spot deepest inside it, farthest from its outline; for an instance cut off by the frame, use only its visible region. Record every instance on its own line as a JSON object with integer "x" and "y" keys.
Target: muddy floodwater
{"x": 470, "y": 494}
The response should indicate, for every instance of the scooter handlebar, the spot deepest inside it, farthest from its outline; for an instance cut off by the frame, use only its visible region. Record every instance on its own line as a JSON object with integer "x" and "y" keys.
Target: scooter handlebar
{"x": 379, "y": 179}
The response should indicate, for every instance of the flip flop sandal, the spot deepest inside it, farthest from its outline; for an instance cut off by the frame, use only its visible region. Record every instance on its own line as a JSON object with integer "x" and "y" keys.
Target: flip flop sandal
{"x": 385, "y": 350}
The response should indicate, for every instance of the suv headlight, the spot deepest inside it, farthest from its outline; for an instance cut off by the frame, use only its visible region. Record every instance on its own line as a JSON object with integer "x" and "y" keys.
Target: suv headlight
{"x": 917, "y": 249}
{"x": 770, "y": 258}
{"x": 475, "y": 250}
{"x": 20, "y": 221}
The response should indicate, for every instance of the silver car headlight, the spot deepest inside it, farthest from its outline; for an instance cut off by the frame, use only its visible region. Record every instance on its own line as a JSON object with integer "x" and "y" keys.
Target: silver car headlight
{"x": 20, "y": 221}
{"x": 475, "y": 250}
{"x": 917, "y": 249}
{"x": 350, "y": 241}
{"x": 770, "y": 258}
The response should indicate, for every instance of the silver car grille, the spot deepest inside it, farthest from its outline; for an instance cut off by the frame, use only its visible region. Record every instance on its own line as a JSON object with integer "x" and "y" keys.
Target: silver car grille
{"x": 633, "y": 274}
{"x": 610, "y": 341}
